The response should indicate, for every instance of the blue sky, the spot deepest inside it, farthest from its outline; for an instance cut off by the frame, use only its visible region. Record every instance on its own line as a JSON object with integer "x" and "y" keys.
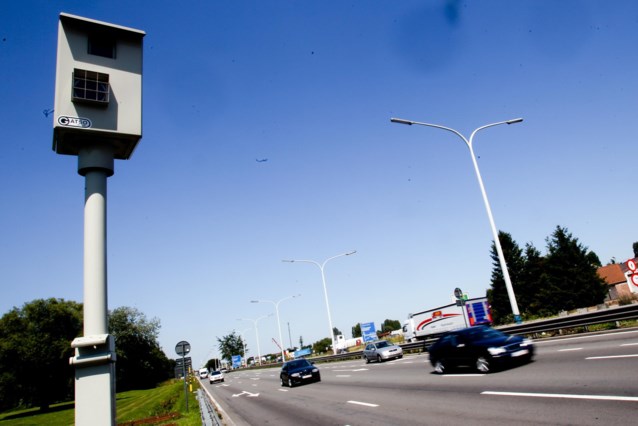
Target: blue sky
{"x": 197, "y": 227}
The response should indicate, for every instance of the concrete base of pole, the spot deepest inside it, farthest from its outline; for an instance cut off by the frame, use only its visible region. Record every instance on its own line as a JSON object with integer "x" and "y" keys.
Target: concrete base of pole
{"x": 94, "y": 363}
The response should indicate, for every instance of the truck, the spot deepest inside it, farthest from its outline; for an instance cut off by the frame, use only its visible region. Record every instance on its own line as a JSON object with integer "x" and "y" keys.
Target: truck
{"x": 433, "y": 322}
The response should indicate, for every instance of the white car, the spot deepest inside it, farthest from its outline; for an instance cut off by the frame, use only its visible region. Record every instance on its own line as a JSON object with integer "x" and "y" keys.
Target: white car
{"x": 203, "y": 373}
{"x": 216, "y": 376}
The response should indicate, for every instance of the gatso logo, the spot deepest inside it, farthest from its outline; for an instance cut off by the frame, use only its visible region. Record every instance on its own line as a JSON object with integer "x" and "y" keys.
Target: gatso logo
{"x": 74, "y": 122}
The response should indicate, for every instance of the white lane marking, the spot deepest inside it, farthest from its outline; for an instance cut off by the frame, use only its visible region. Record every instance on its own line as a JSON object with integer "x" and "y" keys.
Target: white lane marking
{"x": 348, "y": 371}
{"x": 282, "y": 390}
{"x": 571, "y": 349}
{"x": 568, "y": 396}
{"x": 367, "y": 404}
{"x": 629, "y": 344}
{"x": 613, "y": 356}
{"x": 343, "y": 375}
{"x": 245, "y": 393}
{"x": 462, "y": 375}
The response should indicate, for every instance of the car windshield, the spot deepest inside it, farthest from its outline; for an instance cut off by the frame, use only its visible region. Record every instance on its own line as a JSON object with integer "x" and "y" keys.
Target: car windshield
{"x": 484, "y": 333}
{"x": 383, "y": 344}
{"x": 216, "y": 372}
{"x": 298, "y": 363}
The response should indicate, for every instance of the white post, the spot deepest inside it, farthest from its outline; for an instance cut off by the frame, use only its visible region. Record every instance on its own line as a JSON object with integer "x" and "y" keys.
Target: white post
{"x": 325, "y": 290}
{"x": 95, "y": 363}
{"x": 497, "y": 243}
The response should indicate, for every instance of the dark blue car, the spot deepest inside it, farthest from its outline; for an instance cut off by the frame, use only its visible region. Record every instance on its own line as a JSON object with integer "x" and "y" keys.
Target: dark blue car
{"x": 299, "y": 371}
{"x": 481, "y": 347}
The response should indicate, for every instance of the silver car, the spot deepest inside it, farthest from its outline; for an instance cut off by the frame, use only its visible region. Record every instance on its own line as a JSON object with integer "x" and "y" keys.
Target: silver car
{"x": 381, "y": 351}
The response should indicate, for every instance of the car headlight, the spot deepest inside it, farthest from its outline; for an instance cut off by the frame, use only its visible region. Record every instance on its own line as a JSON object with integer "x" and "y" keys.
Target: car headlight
{"x": 496, "y": 351}
{"x": 526, "y": 342}
{"x": 294, "y": 375}
{"x": 315, "y": 370}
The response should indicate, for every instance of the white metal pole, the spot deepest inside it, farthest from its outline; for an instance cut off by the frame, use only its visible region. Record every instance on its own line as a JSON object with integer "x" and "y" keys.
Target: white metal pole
{"x": 325, "y": 290}
{"x": 497, "y": 243}
{"x": 95, "y": 383}
{"x": 95, "y": 278}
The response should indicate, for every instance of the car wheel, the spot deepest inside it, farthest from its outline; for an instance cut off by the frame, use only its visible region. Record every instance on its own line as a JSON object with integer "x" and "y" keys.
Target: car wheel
{"x": 378, "y": 358}
{"x": 483, "y": 364}
{"x": 367, "y": 360}
{"x": 439, "y": 367}
{"x": 290, "y": 384}
{"x": 281, "y": 379}
{"x": 223, "y": 380}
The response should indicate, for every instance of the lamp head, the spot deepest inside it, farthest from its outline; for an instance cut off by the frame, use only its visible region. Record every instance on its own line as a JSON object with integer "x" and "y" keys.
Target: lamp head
{"x": 401, "y": 121}
{"x": 515, "y": 120}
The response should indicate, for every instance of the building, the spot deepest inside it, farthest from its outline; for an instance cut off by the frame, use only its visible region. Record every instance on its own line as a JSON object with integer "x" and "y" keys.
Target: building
{"x": 618, "y": 279}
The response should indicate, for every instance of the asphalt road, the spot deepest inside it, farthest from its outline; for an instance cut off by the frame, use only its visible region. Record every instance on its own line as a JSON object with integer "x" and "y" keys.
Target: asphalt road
{"x": 588, "y": 380}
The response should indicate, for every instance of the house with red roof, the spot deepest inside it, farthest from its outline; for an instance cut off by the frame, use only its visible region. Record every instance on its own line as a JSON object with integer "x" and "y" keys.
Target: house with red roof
{"x": 618, "y": 279}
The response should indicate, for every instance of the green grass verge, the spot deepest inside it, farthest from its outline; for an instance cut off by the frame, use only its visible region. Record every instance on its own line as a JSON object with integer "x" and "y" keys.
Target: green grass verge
{"x": 131, "y": 406}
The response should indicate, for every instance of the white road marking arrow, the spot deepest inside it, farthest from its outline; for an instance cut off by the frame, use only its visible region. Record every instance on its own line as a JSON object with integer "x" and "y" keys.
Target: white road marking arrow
{"x": 245, "y": 393}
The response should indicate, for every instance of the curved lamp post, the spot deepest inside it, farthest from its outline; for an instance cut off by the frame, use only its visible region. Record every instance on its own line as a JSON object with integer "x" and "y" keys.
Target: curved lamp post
{"x": 497, "y": 243}
{"x": 283, "y": 356}
{"x": 325, "y": 291}
{"x": 243, "y": 343}
{"x": 255, "y": 321}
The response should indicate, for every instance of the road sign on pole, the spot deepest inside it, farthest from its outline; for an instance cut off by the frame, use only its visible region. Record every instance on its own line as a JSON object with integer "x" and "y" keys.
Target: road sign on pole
{"x": 183, "y": 348}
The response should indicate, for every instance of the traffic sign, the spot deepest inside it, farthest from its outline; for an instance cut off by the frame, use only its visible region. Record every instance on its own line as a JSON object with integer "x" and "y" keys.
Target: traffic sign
{"x": 634, "y": 279}
{"x": 631, "y": 264}
{"x": 183, "y": 348}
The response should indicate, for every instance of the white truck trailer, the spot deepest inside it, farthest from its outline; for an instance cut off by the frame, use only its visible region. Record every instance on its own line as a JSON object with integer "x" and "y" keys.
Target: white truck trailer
{"x": 433, "y": 322}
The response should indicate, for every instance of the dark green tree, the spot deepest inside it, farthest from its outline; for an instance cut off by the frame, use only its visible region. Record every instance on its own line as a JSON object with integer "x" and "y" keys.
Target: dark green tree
{"x": 35, "y": 347}
{"x": 390, "y": 325}
{"x": 141, "y": 363}
{"x": 336, "y": 331}
{"x": 230, "y": 345}
{"x": 635, "y": 248}
{"x": 497, "y": 294}
{"x": 323, "y": 345}
{"x": 572, "y": 281}
{"x": 356, "y": 330}
{"x": 533, "y": 280}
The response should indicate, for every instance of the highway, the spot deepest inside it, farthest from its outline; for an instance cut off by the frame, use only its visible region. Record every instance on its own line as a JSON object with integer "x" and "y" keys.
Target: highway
{"x": 582, "y": 380}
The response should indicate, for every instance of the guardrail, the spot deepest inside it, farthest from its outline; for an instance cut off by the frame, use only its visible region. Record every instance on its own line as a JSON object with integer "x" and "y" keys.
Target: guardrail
{"x": 600, "y": 316}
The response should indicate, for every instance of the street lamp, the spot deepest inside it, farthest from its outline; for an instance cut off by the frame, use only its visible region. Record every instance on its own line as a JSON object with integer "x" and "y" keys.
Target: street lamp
{"x": 497, "y": 243}
{"x": 325, "y": 291}
{"x": 255, "y": 321}
{"x": 281, "y": 342}
{"x": 243, "y": 343}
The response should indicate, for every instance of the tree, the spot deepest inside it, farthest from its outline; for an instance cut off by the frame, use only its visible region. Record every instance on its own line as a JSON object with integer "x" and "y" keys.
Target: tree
{"x": 497, "y": 295}
{"x": 390, "y": 325}
{"x": 635, "y": 247}
{"x": 35, "y": 347}
{"x": 322, "y": 345}
{"x": 230, "y": 345}
{"x": 356, "y": 330}
{"x": 572, "y": 280}
{"x": 533, "y": 280}
{"x": 141, "y": 363}
{"x": 336, "y": 331}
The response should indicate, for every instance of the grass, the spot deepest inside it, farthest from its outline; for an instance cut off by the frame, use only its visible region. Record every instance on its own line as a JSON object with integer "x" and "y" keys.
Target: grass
{"x": 131, "y": 406}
